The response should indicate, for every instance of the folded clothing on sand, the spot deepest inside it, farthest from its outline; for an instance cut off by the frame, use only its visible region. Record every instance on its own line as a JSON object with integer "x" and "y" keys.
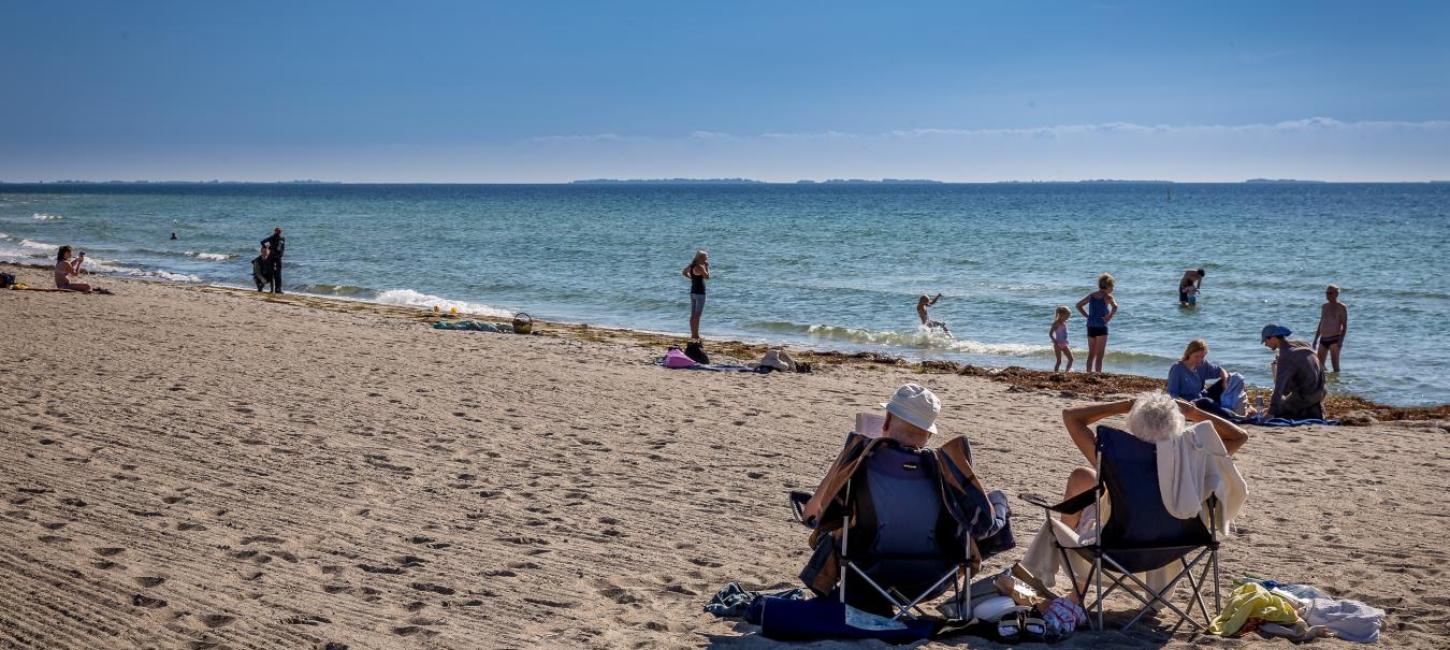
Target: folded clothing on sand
{"x": 473, "y": 326}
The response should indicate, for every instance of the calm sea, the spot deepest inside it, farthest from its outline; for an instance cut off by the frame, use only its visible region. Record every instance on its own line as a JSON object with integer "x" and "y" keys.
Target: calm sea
{"x": 830, "y": 266}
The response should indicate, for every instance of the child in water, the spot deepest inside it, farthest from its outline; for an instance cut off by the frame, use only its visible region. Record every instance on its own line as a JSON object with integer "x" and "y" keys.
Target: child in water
{"x": 922, "y": 304}
{"x": 1058, "y": 334}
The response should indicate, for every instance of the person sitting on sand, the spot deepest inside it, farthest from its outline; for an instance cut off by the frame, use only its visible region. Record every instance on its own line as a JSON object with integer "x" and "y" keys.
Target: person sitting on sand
{"x": 1189, "y": 286}
{"x": 1298, "y": 377}
{"x": 922, "y": 304}
{"x": 1100, "y": 310}
{"x": 262, "y": 267}
{"x": 1333, "y": 325}
{"x": 65, "y": 267}
{"x": 1189, "y": 377}
{"x": 1153, "y": 417}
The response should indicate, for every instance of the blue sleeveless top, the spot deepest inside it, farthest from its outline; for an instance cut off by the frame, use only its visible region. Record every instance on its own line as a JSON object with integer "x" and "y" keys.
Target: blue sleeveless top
{"x": 1097, "y": 310}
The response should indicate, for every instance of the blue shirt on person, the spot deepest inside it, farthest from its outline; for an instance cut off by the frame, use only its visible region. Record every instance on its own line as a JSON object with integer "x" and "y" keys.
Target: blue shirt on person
{"x": 1188, "y": 384}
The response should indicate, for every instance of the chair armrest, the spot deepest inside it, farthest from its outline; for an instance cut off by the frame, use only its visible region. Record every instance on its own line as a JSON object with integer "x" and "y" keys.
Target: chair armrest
{"x": 1075, "y": 504}
{"x": 798, "y": 501}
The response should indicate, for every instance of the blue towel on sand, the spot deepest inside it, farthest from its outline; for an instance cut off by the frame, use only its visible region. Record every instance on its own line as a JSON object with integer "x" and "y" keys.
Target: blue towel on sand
{"x": 1279, "y": 422}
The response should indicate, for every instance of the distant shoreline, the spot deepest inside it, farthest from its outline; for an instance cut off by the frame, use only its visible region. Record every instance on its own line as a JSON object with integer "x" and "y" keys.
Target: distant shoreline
{"x": 1097, "y": 386}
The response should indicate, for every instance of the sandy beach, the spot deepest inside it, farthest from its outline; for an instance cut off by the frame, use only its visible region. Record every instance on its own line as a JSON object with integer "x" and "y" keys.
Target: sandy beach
{"x": 193, "y": 468}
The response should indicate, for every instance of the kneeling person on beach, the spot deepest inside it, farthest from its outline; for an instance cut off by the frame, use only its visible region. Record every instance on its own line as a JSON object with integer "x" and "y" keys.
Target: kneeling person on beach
{"x": 1298, "y": 377}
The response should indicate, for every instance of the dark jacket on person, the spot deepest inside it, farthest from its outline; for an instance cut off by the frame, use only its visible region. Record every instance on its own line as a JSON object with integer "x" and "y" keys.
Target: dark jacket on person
{"x": 278, "y": 244}
{"x": 1298, "y": 383}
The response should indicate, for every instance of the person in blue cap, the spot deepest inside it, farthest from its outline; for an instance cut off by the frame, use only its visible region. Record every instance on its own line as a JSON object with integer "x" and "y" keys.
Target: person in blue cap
{"x": 1298, "y": 376}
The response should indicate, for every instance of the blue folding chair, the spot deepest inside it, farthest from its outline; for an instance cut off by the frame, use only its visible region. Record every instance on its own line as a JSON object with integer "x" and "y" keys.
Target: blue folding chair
{"x": 1140, "y": 534}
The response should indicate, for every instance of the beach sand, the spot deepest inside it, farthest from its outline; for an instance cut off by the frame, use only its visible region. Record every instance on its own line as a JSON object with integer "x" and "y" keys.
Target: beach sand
{"x": 193, "y": 468}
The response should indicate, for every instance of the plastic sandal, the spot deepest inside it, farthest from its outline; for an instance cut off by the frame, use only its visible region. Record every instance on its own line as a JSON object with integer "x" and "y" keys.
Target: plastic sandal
{"x": 1034, "y": 629}
{"x": 1009, "y": 629}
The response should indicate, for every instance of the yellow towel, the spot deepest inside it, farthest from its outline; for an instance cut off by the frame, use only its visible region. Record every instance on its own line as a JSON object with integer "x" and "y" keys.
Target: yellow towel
{"x": 1249, "y": 602}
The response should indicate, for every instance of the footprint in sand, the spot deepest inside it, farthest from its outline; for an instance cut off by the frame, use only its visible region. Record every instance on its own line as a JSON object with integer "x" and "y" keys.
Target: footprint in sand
{"x": 216, "y": 620}
{"x": 147, "y": 602}
{"x": 147, "y": 582}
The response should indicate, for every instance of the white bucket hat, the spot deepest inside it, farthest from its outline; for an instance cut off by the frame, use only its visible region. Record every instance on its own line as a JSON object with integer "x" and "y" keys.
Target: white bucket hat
{"x": 915, "y": 404}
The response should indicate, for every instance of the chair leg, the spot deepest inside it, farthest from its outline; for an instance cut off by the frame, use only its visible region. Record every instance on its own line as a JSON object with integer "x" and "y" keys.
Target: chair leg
{"x": 1217, "y": 601}
{"x": 1157, "y": 596}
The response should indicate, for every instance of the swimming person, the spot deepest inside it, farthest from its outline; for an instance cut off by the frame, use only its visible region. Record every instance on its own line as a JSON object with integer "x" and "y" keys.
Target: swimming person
{"x": 279, "y": 246}
{"x": 1333, "y": 325}
{"x": 66, "y": 267}
{"x": 698, "y": 272}
{"x": 1298, "y": 377}
{"x": 922, "y": 304}
{"x": 262, "y": 266}
{"x": 1189, "y": 286}
{"x": 1100, "y": 309}
{"x": 1058, "y": 334}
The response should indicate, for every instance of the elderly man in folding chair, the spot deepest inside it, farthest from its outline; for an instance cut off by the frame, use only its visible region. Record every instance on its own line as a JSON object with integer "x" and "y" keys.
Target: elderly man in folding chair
{"x": 896, "y": 523}
{"x": 1156, "y": 502}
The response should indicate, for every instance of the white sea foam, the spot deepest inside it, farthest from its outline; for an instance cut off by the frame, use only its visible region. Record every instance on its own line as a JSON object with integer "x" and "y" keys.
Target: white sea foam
{"x": 215, "y": 257}
{"x": 111, "y": 267}
{"x": 41, "y": 216}
{"x": 39, "y": 246}
{"x": 411, "y": 298}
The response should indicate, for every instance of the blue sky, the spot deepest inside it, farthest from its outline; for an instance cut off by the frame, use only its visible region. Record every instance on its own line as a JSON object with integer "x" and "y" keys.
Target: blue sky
{"x": 552, "y": 91}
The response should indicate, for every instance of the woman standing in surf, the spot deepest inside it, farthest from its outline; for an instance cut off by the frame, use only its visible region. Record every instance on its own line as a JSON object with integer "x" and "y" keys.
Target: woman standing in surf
{"x": 698, "y": 272}
{"x": 1100, "y": 309}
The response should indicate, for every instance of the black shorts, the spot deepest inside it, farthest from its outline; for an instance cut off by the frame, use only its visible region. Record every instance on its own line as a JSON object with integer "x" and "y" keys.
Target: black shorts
{"x": 1330, "y": 340}
{"x": 1097, "y": 331}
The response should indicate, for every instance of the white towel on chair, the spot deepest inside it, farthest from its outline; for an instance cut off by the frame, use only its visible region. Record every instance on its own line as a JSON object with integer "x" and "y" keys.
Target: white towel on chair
{"x": 1195, "y": 465}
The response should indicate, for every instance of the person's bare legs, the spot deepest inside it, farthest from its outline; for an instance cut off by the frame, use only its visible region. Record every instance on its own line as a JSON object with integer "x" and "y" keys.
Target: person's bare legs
{"x": 1322, "y": 352}
{"x": 1333, "y": 355}
{"x": 1080, "y": 480}
{"x": 1057, "y": 362}
{"x": 1069, "y": 359}
{"x": 77, "y": 286}
{"x": 1096, "y": 346}
{"x": 1102, "y": 351}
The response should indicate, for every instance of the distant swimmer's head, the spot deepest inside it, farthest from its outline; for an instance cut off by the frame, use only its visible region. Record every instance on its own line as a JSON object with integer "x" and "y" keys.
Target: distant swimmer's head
{"x": 1105, "y": 282}
{"x": 1201, "y": 273}
{"x": 701, "y": 257}
{"x": 923, "y": 299}
{"x": 277, "y": 231}
{"x": 62, "y": 253}
{"x": 1332, "y": 291}
{"x": 1062, "y": 313}
{"x": 1155, "y": 417}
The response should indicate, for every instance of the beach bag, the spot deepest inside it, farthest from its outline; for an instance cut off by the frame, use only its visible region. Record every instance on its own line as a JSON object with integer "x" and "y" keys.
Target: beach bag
{"x": 523, "y": 323}
{"x": 6, "y": 280}
{"x": 676, "y": 359}
{"x": 696, "y": 351}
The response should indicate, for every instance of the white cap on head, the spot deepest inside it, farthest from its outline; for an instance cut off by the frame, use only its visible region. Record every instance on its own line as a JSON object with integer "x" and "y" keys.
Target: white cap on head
{"x": 916, "y": 405}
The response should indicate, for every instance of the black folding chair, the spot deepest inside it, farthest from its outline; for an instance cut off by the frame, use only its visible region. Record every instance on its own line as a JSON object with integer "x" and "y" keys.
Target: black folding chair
{"x": 1140, "y": 534}
{"x": 897, "y": 555}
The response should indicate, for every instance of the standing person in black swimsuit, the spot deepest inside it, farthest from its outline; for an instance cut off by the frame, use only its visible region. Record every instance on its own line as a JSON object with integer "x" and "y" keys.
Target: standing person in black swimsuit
{"x": 278, "y": 244}
{"x": 698, "y": 272}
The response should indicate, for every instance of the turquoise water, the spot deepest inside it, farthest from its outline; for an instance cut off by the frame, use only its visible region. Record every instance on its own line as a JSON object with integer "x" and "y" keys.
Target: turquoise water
{"x": 828, "y": 266}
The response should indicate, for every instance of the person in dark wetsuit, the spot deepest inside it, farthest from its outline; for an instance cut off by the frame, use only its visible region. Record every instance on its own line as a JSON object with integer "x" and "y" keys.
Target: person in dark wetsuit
{"x": 698, "y": 272}
{"x": 278, "y": 244}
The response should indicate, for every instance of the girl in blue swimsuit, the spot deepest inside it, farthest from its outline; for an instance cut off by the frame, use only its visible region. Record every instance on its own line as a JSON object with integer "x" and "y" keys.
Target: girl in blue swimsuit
{"x": 1100, "y": 309}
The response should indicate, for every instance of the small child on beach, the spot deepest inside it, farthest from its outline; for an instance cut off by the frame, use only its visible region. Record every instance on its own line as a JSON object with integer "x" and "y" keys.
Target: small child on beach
{"x": 922, "y": 304}
{"x": 1058, "y": 334}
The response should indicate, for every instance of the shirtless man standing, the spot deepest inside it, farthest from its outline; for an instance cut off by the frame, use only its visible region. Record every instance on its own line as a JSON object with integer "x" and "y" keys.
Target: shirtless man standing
{"x": 1333, "y": 324}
